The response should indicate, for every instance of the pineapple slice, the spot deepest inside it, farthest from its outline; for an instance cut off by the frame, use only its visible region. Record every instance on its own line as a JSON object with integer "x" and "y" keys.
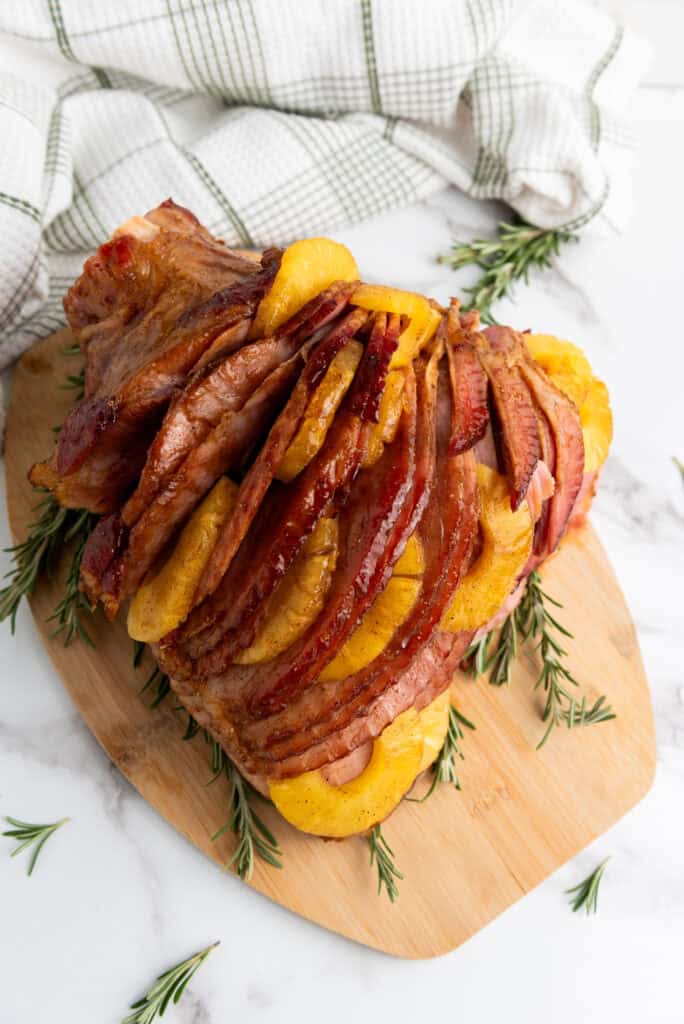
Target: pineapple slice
{"x": 320, "y": 412}
{"x": 569, "y": 369}
{"x": 389, "y": 610}
{"x": 164, "y": 598}
{"x": 565, "y": 363}
{"x": 423, "y": 323}
{"x": 391, "y": 407}
{"x": 597, "y": 425}
{"x": 506, "y": 546}
{"x": 313, "y": 805}
{"x": 307, "y": 267}
{"x": 300, "y": 597}
{"x": 403, "y": 750}
{"x": 434, "y": 720}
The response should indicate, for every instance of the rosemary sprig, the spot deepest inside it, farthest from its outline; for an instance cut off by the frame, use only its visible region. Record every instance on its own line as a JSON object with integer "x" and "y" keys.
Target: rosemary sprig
{"x": 445, "y": 767}
{"x": 586, "y": 893}
{"x": 531, "y": 619}
{"x": 138, "y": 651}
{"x": 217, "y": 757}
{"x": 157, "y": 678}
{"x": 35, "y": 557}
{"x": 382, "y": 854}
{"x": 495, "y": 651}
{"x": 253, "y": 835}
{"x": 162, "y": 686}
{"x": 31, "y": 835}
{"x": 505, "y": 652}
{"x": 561, "y": 707}
{"x": 168, "y": 987}
{"x": 75, "y": 382}
{"x": 191, "y": 729}
{"x": 517, "y": 249}
{"x": 74, "y": 604}
{"x": 476, "y": 658}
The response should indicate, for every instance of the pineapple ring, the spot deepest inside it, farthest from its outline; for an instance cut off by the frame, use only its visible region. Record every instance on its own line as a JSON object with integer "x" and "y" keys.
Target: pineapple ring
{"x": 434, "y": 719}
{"x": 568, "y": 368}
{"x": 597, "y": 426}
{"x": 507, "y": 543}
{"x": 388, "y": 611}
{"x": 300, "y": 597}
{"x": 306, "y": 269}
{"x": 165, "y": 596}
{"x": 424, "y": 319}
{"x": 313, "y": 805}
{"x": 565, "y": 363}
{"x": 320, "y": 412}
{"x": 391, "y": 407}
{"x": 400, "y": 753}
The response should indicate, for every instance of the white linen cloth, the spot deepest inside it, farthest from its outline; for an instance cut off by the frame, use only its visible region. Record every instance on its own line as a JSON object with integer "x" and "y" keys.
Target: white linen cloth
{"x": 278, "y": 119}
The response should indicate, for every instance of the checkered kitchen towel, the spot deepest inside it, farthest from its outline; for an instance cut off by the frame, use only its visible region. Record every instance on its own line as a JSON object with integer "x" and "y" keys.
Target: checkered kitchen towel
{"x": 277, "y": 119}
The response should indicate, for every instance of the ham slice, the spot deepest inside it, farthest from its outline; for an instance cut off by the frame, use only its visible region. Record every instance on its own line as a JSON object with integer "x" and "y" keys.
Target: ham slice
{"x": 469, "y": 397}
{"x": 514, "y": 419}
{"x": 566, "y": 430}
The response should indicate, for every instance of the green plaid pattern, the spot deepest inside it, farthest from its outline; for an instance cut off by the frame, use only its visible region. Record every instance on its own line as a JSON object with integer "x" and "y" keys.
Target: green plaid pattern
{"x": 278, "y": 119}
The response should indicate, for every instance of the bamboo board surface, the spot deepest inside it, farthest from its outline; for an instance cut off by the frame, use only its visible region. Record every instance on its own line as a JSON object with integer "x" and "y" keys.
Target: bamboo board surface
{"x": 466, "y": 856}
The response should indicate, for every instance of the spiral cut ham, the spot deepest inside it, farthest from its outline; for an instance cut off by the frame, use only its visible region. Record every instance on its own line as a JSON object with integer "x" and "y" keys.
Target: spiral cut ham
{"x": 177, "y": 396}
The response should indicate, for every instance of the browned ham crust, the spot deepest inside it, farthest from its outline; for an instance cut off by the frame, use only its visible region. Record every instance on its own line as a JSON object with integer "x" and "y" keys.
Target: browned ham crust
{"x": 145, "y": 310}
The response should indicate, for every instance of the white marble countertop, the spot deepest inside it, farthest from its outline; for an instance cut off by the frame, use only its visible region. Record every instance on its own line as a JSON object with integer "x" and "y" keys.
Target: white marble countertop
{"x": 119, "y": 896}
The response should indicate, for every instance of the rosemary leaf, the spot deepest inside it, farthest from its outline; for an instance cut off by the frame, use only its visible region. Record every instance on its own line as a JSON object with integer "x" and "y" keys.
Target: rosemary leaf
{"x": 586, "y": 893}
{"x": 162, "y": 686}
{"x": 476, "y": 658}
{"x": 35, "y": 556}
{"x": 74, "y": 604}
{"x": 75, "y": 382}
{"x": 561, "y": 706}
{"x": 138, "y": 651}
{"x": 31, "y": 835}
{"x": 168, "y": 987}
{"x": 218, "y": 757}
{"x": 680, "y": 465}
{"x": 382, "y": 854}
{"x": 517, "y": 249}
{"x": 497, "y": 652}
{"x": 191, "y": 729}
{"x": 253, "y": 835}
{"x": 504, "y": 653}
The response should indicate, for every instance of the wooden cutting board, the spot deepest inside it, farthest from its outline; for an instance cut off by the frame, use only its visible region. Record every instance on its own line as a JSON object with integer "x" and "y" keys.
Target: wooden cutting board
{"x": 466, "y": 856}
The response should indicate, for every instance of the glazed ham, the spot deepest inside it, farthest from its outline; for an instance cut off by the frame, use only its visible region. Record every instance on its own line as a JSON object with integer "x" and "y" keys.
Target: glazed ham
{"x": 216, "y": 419}
{"x": 149, "y": 305}
{"x": 179, "y": 393}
